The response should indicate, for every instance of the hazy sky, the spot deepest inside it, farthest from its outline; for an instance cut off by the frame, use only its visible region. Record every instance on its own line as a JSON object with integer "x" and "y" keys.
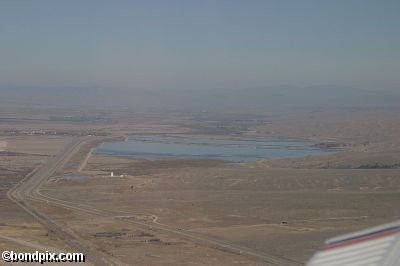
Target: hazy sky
{"x": 200, "y": 44}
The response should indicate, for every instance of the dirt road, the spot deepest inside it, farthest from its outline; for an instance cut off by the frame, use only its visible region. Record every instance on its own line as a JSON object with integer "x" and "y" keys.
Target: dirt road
{"x": 28, "y": 190}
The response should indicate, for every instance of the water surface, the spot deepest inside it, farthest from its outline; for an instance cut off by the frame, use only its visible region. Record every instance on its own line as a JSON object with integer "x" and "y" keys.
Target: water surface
{"x": 205, "y": 147}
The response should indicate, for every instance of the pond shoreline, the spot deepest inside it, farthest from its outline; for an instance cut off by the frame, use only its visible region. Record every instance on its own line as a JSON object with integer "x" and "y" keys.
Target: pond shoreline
{"x": 237, "y": 149}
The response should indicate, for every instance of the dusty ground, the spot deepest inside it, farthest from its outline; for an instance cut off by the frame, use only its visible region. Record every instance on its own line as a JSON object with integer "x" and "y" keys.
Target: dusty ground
{"x": 18, "y": 230}
{"x": 281, "y": 211}
{"x": 281, "y": 207}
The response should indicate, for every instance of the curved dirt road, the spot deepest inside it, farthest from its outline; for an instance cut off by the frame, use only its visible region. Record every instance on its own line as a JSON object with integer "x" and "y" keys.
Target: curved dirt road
{"x": 29, "y": 190}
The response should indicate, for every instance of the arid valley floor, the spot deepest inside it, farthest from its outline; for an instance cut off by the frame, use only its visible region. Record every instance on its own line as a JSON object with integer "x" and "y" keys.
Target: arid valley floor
{"x": 186, "y": 211}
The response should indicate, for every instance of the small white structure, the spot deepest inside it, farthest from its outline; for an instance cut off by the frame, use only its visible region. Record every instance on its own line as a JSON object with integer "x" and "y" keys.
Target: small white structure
{"x": 112, "y": 173}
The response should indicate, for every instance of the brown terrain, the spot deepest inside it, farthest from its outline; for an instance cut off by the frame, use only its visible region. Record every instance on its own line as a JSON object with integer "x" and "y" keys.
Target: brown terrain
{"x": 197, "y": 212}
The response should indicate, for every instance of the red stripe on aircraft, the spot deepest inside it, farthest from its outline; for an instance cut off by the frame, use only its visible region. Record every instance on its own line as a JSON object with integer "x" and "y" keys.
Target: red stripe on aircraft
{"x": 362, "y": 239}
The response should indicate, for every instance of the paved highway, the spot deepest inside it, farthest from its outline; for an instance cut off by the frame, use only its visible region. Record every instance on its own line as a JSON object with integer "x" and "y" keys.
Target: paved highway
{"x": 29, "y": 190}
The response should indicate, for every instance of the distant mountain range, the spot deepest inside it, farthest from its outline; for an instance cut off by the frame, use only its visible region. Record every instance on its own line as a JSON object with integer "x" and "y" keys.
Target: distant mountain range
{"x": 251, "y": 100}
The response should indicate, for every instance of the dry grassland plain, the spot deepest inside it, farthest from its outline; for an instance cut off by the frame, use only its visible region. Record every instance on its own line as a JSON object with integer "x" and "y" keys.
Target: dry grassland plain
{"x": 280, "y": 208}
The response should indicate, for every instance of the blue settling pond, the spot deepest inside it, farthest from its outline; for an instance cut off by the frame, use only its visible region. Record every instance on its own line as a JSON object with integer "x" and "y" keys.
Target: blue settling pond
{"x": 205, "y": 147}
